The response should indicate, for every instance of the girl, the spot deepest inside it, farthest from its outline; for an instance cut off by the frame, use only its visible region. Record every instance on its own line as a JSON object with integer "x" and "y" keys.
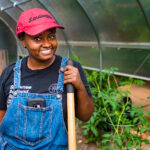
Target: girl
{"x": 32, "y": 90}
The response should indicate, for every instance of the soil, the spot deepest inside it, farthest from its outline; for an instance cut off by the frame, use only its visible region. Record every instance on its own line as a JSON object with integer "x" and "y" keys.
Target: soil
{"x": 81, "y": 144}
{"x": 139, "y": 95}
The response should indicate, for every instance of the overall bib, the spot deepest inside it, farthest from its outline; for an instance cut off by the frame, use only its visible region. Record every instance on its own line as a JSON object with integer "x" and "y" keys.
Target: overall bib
{"x": 29, "y": 128}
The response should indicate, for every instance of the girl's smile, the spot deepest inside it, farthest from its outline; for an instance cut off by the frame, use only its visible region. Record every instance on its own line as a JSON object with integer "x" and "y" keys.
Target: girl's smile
{"x": 41, "y": 48}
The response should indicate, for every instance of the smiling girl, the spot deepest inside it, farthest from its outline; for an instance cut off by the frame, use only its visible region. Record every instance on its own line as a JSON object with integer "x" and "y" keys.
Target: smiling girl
{"x": 33, "y": 111}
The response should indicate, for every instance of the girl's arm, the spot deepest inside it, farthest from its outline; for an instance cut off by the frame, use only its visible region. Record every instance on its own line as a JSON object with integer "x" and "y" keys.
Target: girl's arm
{"x": 2, "y": 113}
{"x": 84, "y": 103}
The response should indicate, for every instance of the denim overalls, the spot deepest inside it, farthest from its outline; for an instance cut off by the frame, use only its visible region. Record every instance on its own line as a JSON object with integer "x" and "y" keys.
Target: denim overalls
{"x": 28, "y": 128}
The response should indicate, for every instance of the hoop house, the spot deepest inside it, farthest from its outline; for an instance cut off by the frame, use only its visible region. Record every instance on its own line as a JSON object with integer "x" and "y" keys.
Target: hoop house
{"x": 103, "y": 33}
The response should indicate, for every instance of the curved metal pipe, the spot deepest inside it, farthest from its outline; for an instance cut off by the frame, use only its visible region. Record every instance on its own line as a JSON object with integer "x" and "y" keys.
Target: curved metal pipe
{"x": 13, "y": 4}
{"x": 19, "y": 3}
{"x": 4, "y": 17}
{"x": 144, "y": 13}
{"x": 59, "y": 22}
{"x": 92, "y": 22}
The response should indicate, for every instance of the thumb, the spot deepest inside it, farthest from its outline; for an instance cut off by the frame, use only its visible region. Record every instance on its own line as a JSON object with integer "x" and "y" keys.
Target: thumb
{"x": 62, "y": 69}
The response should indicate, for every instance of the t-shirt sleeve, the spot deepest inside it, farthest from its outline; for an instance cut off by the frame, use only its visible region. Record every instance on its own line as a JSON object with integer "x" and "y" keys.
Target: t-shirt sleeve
{"x": 83, "y": 77}
{"x": 3, "y": 78}
{"x": 2, "y": 92}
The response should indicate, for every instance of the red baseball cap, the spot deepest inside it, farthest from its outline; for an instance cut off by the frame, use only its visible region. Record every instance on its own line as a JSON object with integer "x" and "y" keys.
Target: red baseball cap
{"x": 35, "y": 21}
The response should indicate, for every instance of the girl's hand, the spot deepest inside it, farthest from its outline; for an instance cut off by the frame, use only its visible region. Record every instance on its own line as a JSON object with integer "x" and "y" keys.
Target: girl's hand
{"x": 72, "y": 75}
{"x": 84, "y": 104}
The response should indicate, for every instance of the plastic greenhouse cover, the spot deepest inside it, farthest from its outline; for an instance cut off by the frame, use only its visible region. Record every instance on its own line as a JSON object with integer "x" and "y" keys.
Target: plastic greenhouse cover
{"x": 145, "y": 4}
{"x": 17, "y": 1}
{"x": 14, "y": 13}
{"x": 74, "y": 20}
{"x": 61, "y": 34}
{"x": 119, "y": 21}
{"x": 131, "y": 61}
{"x": 121, "y": 25}
{"x": 30, "y": 4}
{"x": 4, "y": 3}
{"x": 8, "y": 42}
{"x": 89, "y": 55}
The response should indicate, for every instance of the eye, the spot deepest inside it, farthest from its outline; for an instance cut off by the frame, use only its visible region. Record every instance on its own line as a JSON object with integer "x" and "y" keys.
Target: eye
{"x": 52, "y": 36}
{"x": 37, "y": 38}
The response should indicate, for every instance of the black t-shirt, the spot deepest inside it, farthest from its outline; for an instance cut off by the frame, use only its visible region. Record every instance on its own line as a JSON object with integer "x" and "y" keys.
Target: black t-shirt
{"x": 35, "y": 81}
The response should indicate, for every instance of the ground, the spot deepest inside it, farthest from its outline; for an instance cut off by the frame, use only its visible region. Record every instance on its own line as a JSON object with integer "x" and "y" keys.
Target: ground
{"x": 139, "y": 95}
{"x": 81, "y": 144}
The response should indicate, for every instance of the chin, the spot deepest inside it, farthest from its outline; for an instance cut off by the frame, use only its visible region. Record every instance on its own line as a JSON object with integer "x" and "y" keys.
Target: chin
{"x": 48, "y": 58}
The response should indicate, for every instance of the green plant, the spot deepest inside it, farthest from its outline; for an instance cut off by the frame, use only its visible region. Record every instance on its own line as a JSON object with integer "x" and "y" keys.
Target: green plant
{"x": 116, "y": 122}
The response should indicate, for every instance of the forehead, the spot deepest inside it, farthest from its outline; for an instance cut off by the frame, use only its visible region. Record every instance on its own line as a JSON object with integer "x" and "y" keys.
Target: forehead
{"x": 49, "y": 31}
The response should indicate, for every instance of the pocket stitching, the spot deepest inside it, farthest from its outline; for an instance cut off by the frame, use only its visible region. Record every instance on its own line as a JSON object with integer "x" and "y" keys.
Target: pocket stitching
{"x": 25, "y": 108}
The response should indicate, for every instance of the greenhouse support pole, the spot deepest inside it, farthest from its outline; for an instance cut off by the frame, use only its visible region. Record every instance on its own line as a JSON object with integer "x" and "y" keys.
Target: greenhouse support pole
{"x": 144, "y": 13}
{"x": 92, "y": 22}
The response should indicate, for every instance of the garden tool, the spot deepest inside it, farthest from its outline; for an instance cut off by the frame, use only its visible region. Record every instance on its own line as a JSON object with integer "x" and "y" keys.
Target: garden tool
{"x": 71, "y": 114}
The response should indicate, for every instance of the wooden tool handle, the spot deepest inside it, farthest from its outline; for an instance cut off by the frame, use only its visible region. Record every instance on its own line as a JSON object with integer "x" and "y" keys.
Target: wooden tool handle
{"x": 71, "y": 114}
{"x": 70, "y": 88}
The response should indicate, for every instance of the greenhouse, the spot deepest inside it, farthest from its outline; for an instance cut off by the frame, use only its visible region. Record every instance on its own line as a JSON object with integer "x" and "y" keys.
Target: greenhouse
{"x": 101, "y": 34}
{"x": 108, "y": 33}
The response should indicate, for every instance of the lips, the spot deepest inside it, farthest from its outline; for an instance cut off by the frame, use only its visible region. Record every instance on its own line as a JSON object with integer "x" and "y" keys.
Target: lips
{"x": 46, "y": 51}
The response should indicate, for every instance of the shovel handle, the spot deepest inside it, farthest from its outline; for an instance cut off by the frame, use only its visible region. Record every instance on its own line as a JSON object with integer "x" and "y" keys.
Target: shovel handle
{"x": 71, "y": 114}
{"x": 69, "y": 86}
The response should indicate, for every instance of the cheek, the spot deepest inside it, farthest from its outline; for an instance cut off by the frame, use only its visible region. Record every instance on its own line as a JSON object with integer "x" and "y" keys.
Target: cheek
{"x": 33, "y": 50}
{"x": 33, "y": 47}
{"x": 55, "y": 43}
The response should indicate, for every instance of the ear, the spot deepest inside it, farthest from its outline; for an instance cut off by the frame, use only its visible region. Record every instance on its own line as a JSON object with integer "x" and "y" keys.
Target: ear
{"x": 23, "y": 42}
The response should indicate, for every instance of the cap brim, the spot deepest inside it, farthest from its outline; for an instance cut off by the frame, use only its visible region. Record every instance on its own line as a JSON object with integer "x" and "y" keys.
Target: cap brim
{"x": 38, "y": 29}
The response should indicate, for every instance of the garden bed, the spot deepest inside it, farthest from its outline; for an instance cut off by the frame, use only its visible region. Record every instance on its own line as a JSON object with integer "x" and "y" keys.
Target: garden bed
{"x": 82, "y": 145}
{"x": 81, "y": 140}
{"x": 139, "y": 95}
{"x": 115, "y": 114}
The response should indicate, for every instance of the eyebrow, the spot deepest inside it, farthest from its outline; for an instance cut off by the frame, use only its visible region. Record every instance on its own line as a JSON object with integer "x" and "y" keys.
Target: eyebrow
{"x": 51, "y": 31}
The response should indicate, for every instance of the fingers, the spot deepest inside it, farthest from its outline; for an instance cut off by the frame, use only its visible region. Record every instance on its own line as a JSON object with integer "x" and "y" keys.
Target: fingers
{"x": 67, "y": 68}
{"x": 71, "y": 75}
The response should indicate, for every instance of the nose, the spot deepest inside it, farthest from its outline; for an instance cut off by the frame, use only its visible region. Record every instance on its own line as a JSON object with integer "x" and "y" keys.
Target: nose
{"x": 46, "y": 43}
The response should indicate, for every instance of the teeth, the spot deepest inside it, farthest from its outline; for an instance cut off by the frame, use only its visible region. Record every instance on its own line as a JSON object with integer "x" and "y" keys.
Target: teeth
{"x": 46, "y": 51}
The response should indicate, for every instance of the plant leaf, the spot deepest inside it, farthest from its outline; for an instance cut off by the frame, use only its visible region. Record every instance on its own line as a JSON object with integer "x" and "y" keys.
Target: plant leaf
{"x": 94, "y": 130}
{"x": 119, "y": 142}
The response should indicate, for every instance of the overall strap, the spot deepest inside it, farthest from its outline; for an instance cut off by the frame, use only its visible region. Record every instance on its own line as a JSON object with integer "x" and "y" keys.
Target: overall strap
{"x": 60, "y": 78}
{"x": 17, "y": 74}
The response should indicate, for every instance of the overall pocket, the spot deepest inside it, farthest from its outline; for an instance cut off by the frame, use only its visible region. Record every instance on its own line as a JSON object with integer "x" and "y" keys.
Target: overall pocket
{"x": 4, "y": 145}
{"x": 33, "y": 124}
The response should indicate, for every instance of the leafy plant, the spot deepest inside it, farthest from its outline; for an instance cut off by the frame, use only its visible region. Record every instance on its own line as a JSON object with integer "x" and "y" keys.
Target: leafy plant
{"x": 115, "y": 117}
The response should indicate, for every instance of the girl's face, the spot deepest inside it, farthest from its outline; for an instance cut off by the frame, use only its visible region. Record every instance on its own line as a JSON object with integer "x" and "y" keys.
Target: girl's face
{"x": 41, "y": 47}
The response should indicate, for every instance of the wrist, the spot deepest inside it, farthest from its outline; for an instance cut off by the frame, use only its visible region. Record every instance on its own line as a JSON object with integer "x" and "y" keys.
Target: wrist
{"x": 80, "y": 87}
